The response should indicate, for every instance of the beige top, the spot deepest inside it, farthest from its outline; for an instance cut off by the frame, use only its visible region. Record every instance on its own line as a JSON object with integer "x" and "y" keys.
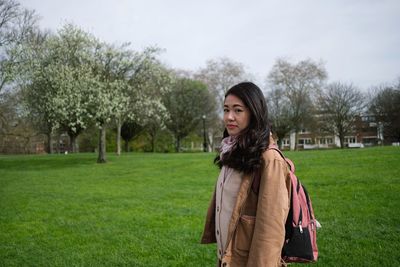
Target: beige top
{"x": 227, "y": 189}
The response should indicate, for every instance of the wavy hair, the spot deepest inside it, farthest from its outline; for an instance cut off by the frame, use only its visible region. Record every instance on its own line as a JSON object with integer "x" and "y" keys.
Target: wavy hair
{"x": 246, "y": 155}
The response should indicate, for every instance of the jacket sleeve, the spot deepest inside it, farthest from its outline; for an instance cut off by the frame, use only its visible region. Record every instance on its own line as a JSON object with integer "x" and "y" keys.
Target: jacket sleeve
{"x": 272, "y": 211}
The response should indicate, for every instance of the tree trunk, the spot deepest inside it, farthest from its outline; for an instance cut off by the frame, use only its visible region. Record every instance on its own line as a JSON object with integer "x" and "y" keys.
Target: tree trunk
{"x": 72, "y": 143}
{"x": 341, "y": 138}
{"x": 296, "y": 140}
{"x": 153, "y": 141}
{"x": 178, "y": 144}
{"x": 58, "y": 143}
{"x": 126, "y": 146}
{"x": 210, "y": 142}
{"x": 102, "y": 145}
{"x": 119, "y": 126}
{"x": 153, "y": 136}
{"x": 49, "y": 148}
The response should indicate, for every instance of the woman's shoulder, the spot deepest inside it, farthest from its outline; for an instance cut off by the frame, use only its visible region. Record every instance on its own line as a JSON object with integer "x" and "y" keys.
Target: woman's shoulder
{"x": 272, "y": 154}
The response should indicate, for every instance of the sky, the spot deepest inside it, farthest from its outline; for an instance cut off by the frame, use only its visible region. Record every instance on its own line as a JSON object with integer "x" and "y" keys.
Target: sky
{"x": 358, "y": 40}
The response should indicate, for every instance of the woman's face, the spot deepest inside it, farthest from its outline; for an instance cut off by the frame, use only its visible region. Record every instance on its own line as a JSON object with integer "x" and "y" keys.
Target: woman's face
{"x": 236, "y": 115}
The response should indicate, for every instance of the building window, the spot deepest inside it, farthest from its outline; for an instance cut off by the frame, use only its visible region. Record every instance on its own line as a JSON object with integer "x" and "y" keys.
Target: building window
{"x": 304, "y": 131}
{"x": 304, "y": 141}
{"x": 325, "y": 141}
{"x": 285, "y": 142}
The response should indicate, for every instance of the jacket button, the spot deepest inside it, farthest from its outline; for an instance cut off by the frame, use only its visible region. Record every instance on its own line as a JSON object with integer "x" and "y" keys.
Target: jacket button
{"x": 218, "y": 209}
{"x": 217, "y": 232}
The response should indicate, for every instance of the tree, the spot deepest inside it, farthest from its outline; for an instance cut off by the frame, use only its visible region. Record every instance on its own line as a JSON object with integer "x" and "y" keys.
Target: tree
{"x": 130, "y": 130}
{"x": 279, "y": 113}
{"x": 15, "y": 127}
{"x": 32, "y": 76}
{"x": 186, "y": 103}
{"x": 339, "y": 105}
{"x": 69, "y": 72}
{"x": 131, "y": 83}
{"x": 112, "y": 66}
{"x": 385, "y": 105}
{"x": 60, "y": 84}
{"x": 299, "y": 83}
{"x": 221, "y": 74}
{"x": 16, "y": 25}
{"x": 153, "y": 81}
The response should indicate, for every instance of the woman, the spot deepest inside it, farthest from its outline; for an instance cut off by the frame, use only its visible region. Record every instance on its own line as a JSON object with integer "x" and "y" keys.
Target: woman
{"x": 246, "y": 219}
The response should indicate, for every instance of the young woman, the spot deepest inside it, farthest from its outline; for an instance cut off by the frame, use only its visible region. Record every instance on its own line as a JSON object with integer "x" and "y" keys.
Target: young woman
{"x": 246, "y": 219}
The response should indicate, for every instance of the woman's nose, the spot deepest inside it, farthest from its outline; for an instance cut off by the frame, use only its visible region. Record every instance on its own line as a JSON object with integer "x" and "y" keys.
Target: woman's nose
{"x": 230, "y": 116}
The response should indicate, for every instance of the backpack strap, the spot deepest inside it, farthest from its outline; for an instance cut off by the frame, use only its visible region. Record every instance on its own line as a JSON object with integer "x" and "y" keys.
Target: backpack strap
{"x": 288, "y": 161}
{"x": 257, "y": 176}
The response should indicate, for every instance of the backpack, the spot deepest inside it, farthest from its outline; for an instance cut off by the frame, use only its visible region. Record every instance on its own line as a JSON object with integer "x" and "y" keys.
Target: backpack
{"x": 301, "y": 226}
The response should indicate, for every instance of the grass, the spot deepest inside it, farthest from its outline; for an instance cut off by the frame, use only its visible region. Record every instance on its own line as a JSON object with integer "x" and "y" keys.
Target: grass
{"x": 149, "y": 209}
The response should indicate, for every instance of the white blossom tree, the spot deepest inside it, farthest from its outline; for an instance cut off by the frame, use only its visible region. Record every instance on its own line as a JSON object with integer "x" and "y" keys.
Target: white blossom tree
{"x": 70, "y": 74}
{"x": 154, "y": 82}
{"x": 57, "y": 76}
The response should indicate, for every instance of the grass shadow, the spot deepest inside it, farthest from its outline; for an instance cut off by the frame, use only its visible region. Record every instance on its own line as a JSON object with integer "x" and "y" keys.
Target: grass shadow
{"x": 46, "y": 162}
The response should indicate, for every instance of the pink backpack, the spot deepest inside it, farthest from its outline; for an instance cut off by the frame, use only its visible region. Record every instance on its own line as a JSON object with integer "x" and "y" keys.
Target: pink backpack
{"x": 301, "y": 226}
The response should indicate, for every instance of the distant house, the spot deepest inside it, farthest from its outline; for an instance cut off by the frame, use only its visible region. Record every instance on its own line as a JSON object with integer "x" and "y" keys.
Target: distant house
{"x": 366, "y": 132}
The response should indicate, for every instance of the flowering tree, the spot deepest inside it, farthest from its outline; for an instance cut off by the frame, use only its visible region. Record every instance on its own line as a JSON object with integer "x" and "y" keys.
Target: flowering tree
{"x": 56, "y": 73}
{"x": 126, "y": 94}
{"x": 154, "y": 81}
{"x": 70, "y": 74}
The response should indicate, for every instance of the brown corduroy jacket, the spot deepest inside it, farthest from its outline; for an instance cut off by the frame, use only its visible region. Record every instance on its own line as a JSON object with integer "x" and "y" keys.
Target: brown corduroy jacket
{"x": 256, "y": 230}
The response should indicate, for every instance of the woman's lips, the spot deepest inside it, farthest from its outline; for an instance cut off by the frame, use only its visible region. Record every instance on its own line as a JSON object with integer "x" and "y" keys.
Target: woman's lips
{"x": 231, "y": 126}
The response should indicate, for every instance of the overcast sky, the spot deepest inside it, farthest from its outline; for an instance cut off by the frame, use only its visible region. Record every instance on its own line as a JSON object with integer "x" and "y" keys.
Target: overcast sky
{"x": 359, "y": 40}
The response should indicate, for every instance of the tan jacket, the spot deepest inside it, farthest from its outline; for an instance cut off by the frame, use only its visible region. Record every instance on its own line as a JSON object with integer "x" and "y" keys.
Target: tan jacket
{"x": 256, "y": 230}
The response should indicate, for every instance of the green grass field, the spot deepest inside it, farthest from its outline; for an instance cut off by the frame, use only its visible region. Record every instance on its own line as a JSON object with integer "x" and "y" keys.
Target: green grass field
{"x": 148, "y": 209}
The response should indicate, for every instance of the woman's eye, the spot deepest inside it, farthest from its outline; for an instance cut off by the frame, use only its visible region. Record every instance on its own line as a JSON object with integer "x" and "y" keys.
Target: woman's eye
{"x": 238, "y": 110}
{"x": 226, "y": 110}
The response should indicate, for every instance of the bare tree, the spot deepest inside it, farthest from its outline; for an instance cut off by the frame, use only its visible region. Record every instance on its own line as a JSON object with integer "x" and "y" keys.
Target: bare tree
{"x": 279, "y": 114}
{"x": 385, "y": 105}
{"x": 220, "y": 74}
{"x": 339, "y": 105}
{"x": 17, "y": 25}
{"x": 299, "y": 83}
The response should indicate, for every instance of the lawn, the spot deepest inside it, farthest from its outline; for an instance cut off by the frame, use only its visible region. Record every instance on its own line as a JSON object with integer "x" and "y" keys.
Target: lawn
{"x": 148, "y": 209}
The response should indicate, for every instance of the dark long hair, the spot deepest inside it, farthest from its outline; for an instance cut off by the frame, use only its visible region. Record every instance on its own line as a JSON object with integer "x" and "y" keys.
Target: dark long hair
{"x": 246, "y": 155}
